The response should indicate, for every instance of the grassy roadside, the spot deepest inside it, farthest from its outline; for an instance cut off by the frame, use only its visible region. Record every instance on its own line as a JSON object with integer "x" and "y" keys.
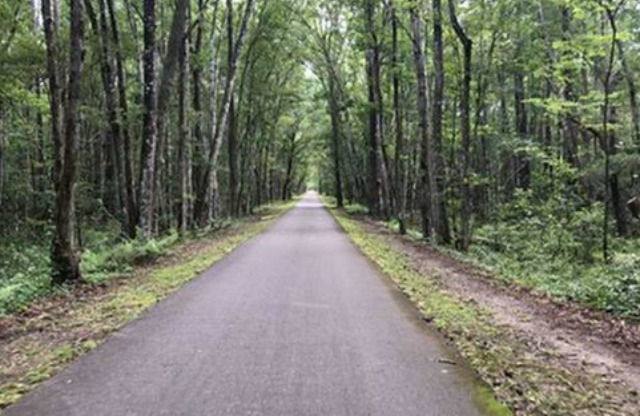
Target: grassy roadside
{"x": 524, "y": 379}
{"x": 36, "y": 344}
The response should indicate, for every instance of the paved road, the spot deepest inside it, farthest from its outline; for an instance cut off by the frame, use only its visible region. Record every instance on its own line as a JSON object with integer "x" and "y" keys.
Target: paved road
{"x": 294, "y": 323}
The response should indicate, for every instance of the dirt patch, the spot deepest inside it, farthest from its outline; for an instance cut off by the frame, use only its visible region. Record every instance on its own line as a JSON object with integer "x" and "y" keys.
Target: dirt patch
{"x": 572, "y": 336}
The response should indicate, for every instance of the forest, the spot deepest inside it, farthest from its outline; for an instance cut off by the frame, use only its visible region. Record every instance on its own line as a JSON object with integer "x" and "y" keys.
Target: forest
{"x": 506, "y": 130}
{"x": 501, "y": 135}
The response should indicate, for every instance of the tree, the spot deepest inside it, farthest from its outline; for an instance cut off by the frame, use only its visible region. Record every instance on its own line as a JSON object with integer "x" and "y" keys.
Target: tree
{"x": 64, "y": 257}
{"x": 149, "y": 128}
{"x": 222, "y": 120}
{"x": 465, "y": 130}
{"x": 439, "y": 217}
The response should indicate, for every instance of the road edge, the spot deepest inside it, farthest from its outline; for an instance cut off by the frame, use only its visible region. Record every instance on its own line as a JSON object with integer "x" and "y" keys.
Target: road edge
{"x": 524, "y": 384}
{"x": 46, "y": 339}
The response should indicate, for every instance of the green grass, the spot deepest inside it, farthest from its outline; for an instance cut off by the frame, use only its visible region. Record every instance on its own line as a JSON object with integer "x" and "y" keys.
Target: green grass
{"x": 522, "y": 379}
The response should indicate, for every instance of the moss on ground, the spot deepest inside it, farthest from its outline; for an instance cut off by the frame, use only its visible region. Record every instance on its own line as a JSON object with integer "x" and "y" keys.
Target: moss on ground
{"x": 521, "y": 377}
{"x": 50, "y": 340}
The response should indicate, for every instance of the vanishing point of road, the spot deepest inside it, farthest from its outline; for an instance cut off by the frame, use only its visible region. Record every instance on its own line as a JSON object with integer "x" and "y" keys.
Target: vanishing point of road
{"x": 295, "y": 322}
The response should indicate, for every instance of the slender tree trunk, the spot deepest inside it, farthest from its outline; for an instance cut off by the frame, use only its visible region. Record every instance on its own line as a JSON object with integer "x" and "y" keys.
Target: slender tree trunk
{"x": 55, "y": 88}
{"x": 130, "y": 190}
{"x": 64, "y": 258}
{"x": 291, "y": 154}
{"x": 376, "y": 192}
{"x": 336, "y": 133}
{"x": 400, "y": 157}
{"x": 232, "y": 137}
{"x": 210, "y": 205}
{"x": 465, "y": 131}
{"x": 427, "y": 189}
{"x": 197, "y": 69}
{"x": 183, "y": 139}
{"x": 149, "y": 131}
{"x": 609, "y": 141}
{"x": 522, "y": 169}
{"x": 440, "y": 220}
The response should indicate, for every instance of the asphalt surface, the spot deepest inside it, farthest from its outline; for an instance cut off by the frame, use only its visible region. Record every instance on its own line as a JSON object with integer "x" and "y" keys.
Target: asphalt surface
{"x": 296, "y": 322}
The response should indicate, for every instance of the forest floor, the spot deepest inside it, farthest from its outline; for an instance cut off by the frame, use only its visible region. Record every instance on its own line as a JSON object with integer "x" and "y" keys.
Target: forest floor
{"x": 542, "y": 356}
{"x": 37, "y": 343}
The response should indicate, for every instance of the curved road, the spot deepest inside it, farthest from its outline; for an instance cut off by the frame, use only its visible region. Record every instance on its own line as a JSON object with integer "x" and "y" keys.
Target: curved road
{"x": 295, "y": 322}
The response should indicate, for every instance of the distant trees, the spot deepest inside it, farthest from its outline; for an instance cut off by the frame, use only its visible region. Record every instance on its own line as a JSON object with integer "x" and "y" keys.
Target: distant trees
{"x": 497, "y": 108}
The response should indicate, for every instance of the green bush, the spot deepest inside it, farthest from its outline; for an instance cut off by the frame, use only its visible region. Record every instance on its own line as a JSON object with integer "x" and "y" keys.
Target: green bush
{"x": 24, "y": 275}
{"x": 101, "y": 264}
{"x": 555, "y": 248}
{"x": 25, "y": 270}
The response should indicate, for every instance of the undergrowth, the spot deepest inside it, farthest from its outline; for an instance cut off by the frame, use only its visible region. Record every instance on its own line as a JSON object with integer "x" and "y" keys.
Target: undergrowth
{"x": 553, "y": 248}
{"x": 25, "y": 269}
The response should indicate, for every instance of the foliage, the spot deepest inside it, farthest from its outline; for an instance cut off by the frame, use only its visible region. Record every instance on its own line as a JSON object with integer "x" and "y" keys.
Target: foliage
{"x": 537, "y": 246}
{"x": 25, "y": 270}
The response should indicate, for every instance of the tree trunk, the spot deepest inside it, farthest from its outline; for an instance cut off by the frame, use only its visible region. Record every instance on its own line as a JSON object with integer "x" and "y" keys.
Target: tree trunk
{"x": 196, "y": 86}
{"x": 427, "y": 188}
{"x": 55, "y": 90}
{"x": 400, "y": 174}
{"x": 64, "y": 258}
{"x": 291, "y": 154}
{"x": 210, "y": 208}
{"x": 336, "y": 132}
{"x": 522, "y": 169}
{"x": 465, "y": 131}
{"x": 232, "y": 136}
{"x": 439, "y": 217}
{"x": 183, "y": 139}
{"x": 130, "y": 190}
{"x": 211, "y": 166}
{"x": 149, "y": 131}
{"x": 376, "y": 194}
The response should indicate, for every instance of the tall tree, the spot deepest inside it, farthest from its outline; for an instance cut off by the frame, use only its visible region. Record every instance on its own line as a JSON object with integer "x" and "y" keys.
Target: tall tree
{"x": 223, "y": 119}
{"x": 465, "y": 130}
{"x": 376, "y": 192}
{"x": 55, "y": 89}
{"x": 428, "y": 189}
{"x": 400, "y": 174}
{"x": 64, "y": 257}
{"x": 149, "y": 128}
{"x": 123, "y": 113}
{"x": 439, "y": 217}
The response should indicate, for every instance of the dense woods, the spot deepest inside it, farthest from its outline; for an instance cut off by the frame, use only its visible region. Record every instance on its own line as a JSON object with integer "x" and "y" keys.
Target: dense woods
{"x": 508, "y": 130}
